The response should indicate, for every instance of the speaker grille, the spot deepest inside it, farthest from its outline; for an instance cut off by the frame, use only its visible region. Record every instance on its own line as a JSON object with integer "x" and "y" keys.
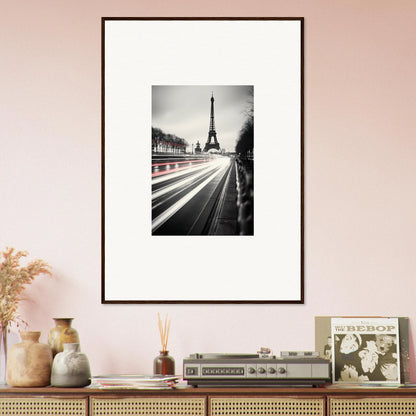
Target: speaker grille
{"x": 148, "y": 407}
{"x": 43, "y": 406}
{"x": 266, "y": 406}
{"x": 373, "y": 407}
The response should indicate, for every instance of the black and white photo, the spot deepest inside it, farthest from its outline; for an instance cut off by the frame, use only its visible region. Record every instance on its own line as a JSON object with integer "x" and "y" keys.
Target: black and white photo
{"x": 202, "y": 160}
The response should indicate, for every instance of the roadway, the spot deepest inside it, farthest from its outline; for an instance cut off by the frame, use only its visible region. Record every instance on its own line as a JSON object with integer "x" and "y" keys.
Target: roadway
{"x": 193, "y": 195}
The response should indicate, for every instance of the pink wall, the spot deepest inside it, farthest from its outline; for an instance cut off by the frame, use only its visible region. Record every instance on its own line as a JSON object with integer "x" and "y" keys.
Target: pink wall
{"x": 360, "y": 148}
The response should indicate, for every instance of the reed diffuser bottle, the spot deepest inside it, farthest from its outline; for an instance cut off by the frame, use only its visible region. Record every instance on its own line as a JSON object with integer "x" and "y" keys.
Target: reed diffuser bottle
{"x": 164, "y": 364}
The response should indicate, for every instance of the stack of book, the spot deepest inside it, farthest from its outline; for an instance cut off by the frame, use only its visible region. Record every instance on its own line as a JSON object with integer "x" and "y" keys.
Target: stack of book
{"x": 120, "y": 381}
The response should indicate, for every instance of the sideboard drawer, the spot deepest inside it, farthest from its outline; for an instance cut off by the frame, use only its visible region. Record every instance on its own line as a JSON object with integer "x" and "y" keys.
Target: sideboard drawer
{"x": 375, "y": 406}
{"x": 45, "y": 406}
{"x": 148, "y": 406}
{"x": 270, "y": 406}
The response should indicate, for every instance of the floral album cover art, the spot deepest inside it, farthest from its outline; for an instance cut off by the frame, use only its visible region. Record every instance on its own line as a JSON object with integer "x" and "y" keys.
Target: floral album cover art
{"x": 365, "y": 350}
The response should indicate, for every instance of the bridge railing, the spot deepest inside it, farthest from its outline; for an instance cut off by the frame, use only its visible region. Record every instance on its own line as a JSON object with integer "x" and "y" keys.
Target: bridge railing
{"x": 245, "y": 196}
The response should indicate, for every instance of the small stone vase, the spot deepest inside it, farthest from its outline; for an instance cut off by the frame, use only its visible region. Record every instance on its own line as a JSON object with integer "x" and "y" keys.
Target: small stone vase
{"x": 70, "y": 368}
{"x": 164, "y": 364}
{"x": 62, "y": 333}
{"x": 29, "y": 362}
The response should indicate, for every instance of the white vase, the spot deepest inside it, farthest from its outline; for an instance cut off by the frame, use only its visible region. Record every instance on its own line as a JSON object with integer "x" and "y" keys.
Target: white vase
{"x": 70, "y": 368}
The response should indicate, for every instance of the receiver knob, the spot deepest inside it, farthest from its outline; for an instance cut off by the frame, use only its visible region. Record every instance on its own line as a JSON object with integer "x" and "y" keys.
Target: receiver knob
{"x": 272, "y": 370}
{"x": 251, "y": 370}
{"x": 281, "y": 370}
{"x": 261, "y": 370}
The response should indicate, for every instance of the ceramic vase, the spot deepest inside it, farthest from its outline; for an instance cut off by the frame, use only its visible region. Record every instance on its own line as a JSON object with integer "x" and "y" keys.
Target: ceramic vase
{"x": 70, "y": 368}
{"x": 164, "y": 364}
{"x": 29, "y": 362}
{"x": 62, "y": 333}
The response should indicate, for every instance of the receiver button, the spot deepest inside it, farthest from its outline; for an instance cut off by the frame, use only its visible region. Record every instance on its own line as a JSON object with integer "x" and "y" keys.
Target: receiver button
{"x": 191, "y": 371}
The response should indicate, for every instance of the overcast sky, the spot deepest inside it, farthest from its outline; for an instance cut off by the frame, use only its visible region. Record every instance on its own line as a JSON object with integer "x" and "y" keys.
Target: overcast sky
{"x": 185, "y": 111}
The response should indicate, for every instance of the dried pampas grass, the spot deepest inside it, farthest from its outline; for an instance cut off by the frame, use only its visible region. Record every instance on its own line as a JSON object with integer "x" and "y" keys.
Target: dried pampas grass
{"x": 13, "y": 279}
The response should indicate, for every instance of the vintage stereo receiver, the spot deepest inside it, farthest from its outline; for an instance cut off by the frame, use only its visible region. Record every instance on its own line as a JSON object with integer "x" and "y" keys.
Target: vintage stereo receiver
{"x": 291, "y": 368}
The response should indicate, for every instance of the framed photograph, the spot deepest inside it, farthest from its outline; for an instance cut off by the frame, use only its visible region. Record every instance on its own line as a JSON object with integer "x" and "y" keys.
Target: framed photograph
{"x": 202, "y": 160}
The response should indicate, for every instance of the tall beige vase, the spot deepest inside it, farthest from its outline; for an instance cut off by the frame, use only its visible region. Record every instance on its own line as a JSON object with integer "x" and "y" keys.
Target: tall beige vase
{"x": 29, "y": 362}
{"x": 61, "y": 334}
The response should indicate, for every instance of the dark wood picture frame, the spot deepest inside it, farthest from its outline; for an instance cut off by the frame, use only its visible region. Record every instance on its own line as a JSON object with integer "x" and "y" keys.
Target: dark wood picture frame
{"x": 131, "y": 271}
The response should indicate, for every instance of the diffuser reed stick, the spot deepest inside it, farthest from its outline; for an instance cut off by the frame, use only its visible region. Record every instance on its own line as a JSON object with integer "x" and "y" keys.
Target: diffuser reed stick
{"x": 164, "y": 331}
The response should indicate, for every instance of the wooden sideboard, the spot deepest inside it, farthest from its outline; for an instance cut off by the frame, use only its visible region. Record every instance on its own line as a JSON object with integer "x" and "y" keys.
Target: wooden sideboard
{"x": 287, "y": 401}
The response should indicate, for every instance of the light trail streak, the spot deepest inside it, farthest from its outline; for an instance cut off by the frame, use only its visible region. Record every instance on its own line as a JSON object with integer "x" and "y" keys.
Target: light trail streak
{"x": 175, "y": 173}
{"x": 184, "y": 182}
{"x": 169, "y": 171}
{"x": 179, "y": 163}
{"x": 221, "y": 166}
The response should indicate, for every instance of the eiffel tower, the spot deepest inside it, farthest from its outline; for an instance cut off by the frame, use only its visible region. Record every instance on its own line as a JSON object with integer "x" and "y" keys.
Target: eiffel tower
{"x": 212, "y": 134}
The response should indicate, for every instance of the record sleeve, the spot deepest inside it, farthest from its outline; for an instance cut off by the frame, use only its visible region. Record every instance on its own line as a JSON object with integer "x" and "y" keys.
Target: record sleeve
{"x": 323, "y": 341}
{"x": 365, "y": 350}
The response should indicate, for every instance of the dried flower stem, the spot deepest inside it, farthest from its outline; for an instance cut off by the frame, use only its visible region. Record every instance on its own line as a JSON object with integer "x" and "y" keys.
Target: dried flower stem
{"x": 13, "y": 279}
